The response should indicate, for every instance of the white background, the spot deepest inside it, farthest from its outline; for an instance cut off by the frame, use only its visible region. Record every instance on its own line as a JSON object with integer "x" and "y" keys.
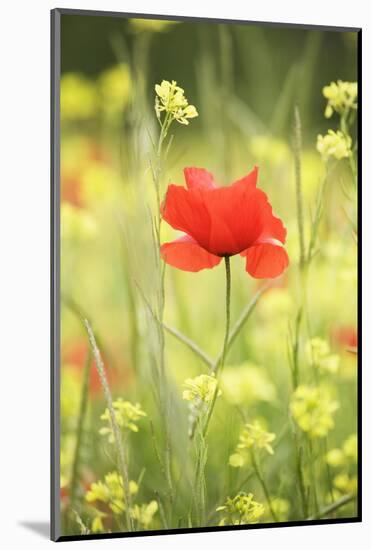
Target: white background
{"x": 24, "y": 261}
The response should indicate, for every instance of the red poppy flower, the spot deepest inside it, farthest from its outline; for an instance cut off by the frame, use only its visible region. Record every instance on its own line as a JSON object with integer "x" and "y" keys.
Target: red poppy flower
{"x": 223, "y": 221}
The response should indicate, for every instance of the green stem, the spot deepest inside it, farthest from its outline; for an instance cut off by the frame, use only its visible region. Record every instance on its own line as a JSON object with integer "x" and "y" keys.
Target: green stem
{"x": 333, "y": 507}
{"x": 190, "y": 344}
{"x": 227, "y": 310}
{"x": 313, "y": 476}
{"x": 164, "y": 393}
{"x": 219, "y": 366}
{"x": 328, "y": 472}
{"x": 79, "y": 429}
{"x": 298, "y": 183}
{"x": 300, "y": 474}
{"x": 260, "y": 477}
{"x": 122, "y": 462}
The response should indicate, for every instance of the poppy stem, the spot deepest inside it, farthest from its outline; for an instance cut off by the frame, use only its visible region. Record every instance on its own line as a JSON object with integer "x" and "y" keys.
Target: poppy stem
{"x": 219, "y": 366}
{"x": 227, "y": 310}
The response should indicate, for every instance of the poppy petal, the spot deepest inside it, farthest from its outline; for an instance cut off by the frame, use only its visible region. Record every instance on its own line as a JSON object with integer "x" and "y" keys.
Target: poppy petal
{"x": 266, "y": 260}
{"x": 199, "y": 177}
{"x": 185, "y": 210}
{"x": 250, "y": 179}
{"x": 272, "y": 226}
{"x": 238, "y": 216}
{"x": 184, "y": 253}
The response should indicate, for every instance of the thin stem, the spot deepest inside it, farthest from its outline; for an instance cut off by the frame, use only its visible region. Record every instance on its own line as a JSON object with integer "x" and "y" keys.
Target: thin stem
{"x": 227, "y": 311}
{"x": 219, "y": 366}
{"x": 300, "y": 474}
{"x": 328, "y": 472}
{"x": 80, "y": 427}
{"x": 333, "y": 507}
{"x": 260, "y": 477}
{"x": 313, "y": 475}
{"x": 164, "y": 401}
{"x": 298, "y": 183}
{"x": 245, "y": 315}
{"x": 190, "y": 344}
{"x": 122, "y": 464}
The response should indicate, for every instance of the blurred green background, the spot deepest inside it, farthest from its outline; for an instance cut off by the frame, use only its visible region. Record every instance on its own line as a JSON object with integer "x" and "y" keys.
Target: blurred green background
{"x": 269, "y": 64}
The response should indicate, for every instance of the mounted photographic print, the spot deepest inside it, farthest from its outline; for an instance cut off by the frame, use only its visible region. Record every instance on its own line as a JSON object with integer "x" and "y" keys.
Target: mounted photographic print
{"x": 204, "y": 274}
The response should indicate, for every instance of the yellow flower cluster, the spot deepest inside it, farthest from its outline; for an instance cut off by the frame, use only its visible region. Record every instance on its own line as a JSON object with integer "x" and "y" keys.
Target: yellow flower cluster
{"x": 334, "y": 144}
{"x": 345, "y": 458}
{"x": 313, "y": 409}
{"x": 144, "y": 513}
{"x": 341, "y": 97}
{"x": 241, "y": 510}
{"x": 202, "y": 387}
{"x": 255, "y": 437}
{"x": 170, "y": 98}
{"x": 111, "y": 492}
{"x": 319, "y": 353}
{"x": 126, "y": 415}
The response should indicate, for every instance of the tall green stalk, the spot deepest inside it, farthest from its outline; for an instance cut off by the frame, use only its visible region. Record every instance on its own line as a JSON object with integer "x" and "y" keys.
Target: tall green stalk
{"x": 164, "y": 402}
{"x": 302, "y": 312}
{"x": 298, "y": 185}
{"x": 121, "y": 456}
{"x": 80, "y": 430}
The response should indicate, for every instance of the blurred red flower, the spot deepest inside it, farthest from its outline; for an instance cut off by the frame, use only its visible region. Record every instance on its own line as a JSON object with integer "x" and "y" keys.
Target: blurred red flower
{"x": 223, "y": 221}
{"x": 346, "y": 337}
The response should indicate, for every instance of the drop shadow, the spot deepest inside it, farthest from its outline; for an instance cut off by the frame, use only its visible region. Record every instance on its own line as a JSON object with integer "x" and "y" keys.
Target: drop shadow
{"x": 42, "y": 528}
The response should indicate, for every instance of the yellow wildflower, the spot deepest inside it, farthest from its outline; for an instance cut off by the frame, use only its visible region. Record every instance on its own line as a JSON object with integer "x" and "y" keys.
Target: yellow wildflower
{"x": 241, "y": 510}
{"x": 170, "y": 98}
{"x": 202, "y": 387}
{"x": 334, "y": 144}
{"x": 341, "y": 97}
{"x": 313, "y": 409}
{"x": 144, "y": 514}
{"x": 318, "y": 352}
{"x": 255, "y": 437}
{"x": 97, "y": 523}
{"x": 126, "y": 415}
{"x": 111, "y": 492}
